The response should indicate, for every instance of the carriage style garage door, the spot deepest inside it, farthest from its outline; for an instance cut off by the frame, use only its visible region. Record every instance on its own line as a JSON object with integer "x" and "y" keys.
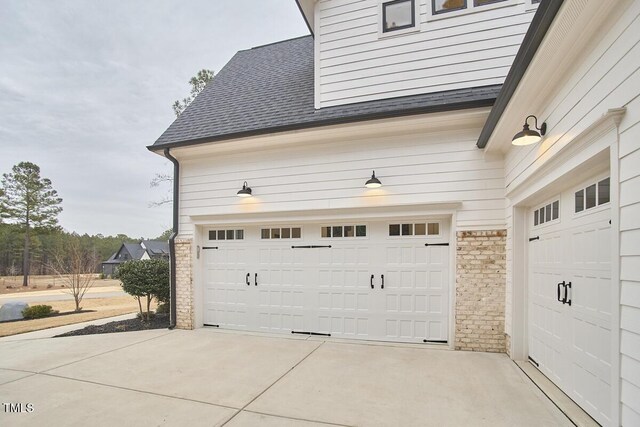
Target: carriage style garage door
{"x": 570, "y": 294}
{"x": 369, "y": 280}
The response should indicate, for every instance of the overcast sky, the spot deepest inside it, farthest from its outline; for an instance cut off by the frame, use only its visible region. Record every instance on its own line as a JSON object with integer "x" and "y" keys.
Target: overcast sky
{"x": 86, "y": 85}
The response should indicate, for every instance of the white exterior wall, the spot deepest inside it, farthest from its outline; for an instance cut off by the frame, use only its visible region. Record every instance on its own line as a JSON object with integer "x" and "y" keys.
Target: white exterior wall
{"x": 608, "y": 77}
{"x": 433, "y": 167}
{"x": 356, "y": 62}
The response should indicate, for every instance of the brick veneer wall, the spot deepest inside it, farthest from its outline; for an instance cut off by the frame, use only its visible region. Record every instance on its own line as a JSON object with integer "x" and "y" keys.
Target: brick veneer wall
{"x": 480, "y": 290}
{"x": 184, "y": 285}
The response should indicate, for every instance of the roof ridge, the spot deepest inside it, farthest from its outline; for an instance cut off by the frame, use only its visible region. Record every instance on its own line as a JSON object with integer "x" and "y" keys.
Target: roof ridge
{"x": 280, "y": 41}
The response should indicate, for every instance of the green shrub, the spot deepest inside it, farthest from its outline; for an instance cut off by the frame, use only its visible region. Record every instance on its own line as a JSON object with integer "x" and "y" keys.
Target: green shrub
{"x": 146, "y": 278}
{"x": 163, "y": 308}
{"x": 38, "y": 312}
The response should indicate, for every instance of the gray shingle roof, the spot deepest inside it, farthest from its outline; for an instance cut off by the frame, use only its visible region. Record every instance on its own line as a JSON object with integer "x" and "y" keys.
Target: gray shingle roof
{"x": 270, "y": 88}
{"x": 155, "y": 247}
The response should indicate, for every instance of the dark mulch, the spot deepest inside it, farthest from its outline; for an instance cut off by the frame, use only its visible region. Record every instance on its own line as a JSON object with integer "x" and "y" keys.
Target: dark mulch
{"x": 159, "y": 321}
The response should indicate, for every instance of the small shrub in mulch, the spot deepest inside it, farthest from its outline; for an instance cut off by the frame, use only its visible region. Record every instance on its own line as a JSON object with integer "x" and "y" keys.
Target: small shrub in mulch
{"x": 38, "y": 312}
{"x": 159, "y": 321}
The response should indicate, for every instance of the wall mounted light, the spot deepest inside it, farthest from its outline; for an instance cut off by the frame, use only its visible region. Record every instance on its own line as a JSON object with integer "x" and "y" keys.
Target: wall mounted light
{"x": 246, "y": 190}
{"x": 528, "y": 136}
{"x": 373, "y": 182}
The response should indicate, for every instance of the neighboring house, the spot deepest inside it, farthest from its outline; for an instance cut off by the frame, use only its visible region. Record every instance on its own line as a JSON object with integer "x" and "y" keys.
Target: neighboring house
{"x": 466, "y": 240}
{"x": 146, "y": 249}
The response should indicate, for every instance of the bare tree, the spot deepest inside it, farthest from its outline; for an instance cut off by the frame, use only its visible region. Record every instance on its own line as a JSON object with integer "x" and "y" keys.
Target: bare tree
{"x": 76, "y": 270}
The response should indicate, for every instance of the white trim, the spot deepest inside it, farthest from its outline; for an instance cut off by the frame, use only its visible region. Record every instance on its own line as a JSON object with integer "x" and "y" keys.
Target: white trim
{"x": 453, "y": 250}
{"x": 614, "y": 202}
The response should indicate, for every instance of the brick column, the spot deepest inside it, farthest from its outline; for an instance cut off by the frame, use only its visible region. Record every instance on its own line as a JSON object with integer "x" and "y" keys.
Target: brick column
{"x": 184, "y": 285}
{"x": 480, "y": 290}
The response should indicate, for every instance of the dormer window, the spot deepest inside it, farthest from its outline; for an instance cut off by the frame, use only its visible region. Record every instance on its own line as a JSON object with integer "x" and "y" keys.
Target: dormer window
{"x": 398, "y": 15}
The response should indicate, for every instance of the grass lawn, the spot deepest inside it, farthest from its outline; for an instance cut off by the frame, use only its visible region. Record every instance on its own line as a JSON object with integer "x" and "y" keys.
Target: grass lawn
{"x": 13, "y": 284}
{"x": 105, "y": 307}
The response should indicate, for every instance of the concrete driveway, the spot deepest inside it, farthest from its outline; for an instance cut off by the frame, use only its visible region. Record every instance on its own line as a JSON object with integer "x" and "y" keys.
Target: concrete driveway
{"x": 211, "y": 377}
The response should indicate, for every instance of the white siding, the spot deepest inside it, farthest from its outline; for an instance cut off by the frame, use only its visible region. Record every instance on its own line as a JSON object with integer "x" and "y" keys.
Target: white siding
{"x": 439, "y": 167}
{"x": 609, "y": 77}
{"x": 355, "y": 62}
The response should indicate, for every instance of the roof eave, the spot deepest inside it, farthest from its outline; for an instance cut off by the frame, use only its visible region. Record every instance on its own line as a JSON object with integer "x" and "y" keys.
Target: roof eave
{"x": 546, "y": 13}
{"x": 477, "y": 103}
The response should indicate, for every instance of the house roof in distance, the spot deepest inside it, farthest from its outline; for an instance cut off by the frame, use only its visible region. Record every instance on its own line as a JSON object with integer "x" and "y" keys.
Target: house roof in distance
{"x": 271, "y": 89}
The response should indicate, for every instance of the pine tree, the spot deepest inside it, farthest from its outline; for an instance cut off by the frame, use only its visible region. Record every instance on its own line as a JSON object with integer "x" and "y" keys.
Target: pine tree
{"x": 29, "y": 201}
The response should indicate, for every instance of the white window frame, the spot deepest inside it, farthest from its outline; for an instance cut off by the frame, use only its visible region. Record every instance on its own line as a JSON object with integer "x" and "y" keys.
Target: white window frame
{"x": 225, "y": 229}
{"x": 346, "y": 239}
{"x": 414, "y": 236}
{"x": 414, "y": 29}
{"x": 551, "y": 201}
{"x": 286, "y": 239}
{"x": 471, "y": 8}
{"x": 583, "y": 187}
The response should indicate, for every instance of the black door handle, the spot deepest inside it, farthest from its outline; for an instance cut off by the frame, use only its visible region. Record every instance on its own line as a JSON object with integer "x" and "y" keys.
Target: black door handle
{"x": 382, "y": 277}
{"x": 256, "y": 279}
{"x": 559, "y": 285}
{"x": 566, "y": 299}
{"x": 371, "y": 282}
{"x": 247, "y": 279}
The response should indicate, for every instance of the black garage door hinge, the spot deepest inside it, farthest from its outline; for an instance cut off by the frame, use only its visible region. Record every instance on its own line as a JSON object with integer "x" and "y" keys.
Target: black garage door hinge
{"x": 436, "y": 244}
{"x": 310, "y": 247}
{"x": 209, "y": 247}
{"x": 435, "y": 341}
{"x": 534, "y": 362}
{"x": 310, "y": 333}
{"x": 534, "y": 238}
{"x": 215, "y": 326}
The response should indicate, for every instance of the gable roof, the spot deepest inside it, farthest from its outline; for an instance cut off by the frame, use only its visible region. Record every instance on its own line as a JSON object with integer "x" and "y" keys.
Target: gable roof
{"x": 155, "y": 247}
{"x": 271, "y": 89}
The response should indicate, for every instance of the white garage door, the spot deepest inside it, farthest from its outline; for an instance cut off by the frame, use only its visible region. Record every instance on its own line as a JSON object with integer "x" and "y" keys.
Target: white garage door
{"x": 369, "y": 280}
{"x": 570, "y": 294}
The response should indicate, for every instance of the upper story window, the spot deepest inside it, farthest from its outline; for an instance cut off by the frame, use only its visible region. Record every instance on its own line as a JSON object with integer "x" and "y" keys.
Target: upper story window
{"x": 444, "y": 6}
{"x": 398, "y": 15}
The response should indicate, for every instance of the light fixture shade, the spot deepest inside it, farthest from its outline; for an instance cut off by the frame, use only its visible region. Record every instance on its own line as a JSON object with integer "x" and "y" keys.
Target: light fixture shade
{"x": 245, "y": 192}
{"x": 373, "y": 182}
{"x": 528, "y": 136}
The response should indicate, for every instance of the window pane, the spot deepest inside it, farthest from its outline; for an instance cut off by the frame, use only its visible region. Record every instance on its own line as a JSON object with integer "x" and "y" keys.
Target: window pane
{"x": 348, "y": 231}
{"x": 398, "y": 14}
{"x": 604, "y": 191}
{"x": 337, "y": 231}
{"x": 285, "y": 233}
{"x": 220, "y": 234}
{"x": 296, "y": 232}
{"x": 407, "y": 229}
{"x": 239, "y": 234}
{"x": 326, "y": 231}
{"x": 556, "y": 209}
{"x": 483, "y": 2}
{"x": 230, "y": 234}
{"x": 433, "y": 229}
{"x": 579, "y": 201}
{"x": 275, "y": 233}
{"x": 212, "y": 235}
{"x": 548, "y": 214}
{"x": 590, "y": 196}
{"x": 394, "y": 230}
{"x": 361, "y": 230}
{"x": 542, "y": 221}
{"x": 535, "y": 217}
{"x": 265, "y": 233}
{"x": 420, "y": 229}
{"x": 440, "y": 6}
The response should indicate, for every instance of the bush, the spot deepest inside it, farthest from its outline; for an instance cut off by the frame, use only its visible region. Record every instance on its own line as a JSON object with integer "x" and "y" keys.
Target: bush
{"x": 146, "y": 278}
{"x": 162, "y": 308}
{"x": 38, "y": 312}
{"x": 102, "y": 276}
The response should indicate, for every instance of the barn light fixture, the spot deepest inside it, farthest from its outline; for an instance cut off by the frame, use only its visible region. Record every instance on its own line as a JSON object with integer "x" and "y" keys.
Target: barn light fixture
{"x": 246, "y": 190}
{"x": 373, "y": 182}
{"x": 528, "y": 136}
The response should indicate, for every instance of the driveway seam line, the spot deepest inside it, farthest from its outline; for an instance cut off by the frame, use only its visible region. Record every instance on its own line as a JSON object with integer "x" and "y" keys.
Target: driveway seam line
{"x": 273, "y": 383}
{"x": 297, "y": 419}
{"x": 136, "y": 390}
{"x": 106, "y": 352}
{"x": 18, "y": 379}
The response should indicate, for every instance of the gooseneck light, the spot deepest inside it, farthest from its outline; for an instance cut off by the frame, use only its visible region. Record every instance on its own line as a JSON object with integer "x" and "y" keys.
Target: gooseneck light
{"x": 246, "y": 190}
{"x": 373, "y": 182}
{"x": 528, "y": 136}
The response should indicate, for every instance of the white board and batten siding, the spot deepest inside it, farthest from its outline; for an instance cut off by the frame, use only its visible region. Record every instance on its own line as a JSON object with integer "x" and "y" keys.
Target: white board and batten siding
{"x": 607, "y": 77}
{"x": 356, "y": 61}
{"x": 417, "y": 169}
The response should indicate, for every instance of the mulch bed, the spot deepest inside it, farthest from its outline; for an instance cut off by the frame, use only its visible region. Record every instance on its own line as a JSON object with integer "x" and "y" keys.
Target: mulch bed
{"x": 159, "y": 321}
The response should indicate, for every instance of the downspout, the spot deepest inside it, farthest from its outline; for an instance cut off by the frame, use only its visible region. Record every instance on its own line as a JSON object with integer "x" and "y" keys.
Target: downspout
{"x": 172, "y": 239}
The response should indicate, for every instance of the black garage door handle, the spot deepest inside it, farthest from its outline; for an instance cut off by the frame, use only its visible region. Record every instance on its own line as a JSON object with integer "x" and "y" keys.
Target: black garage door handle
{"x": 247, "y": 279}
{"x": 382, "y": 277}
{"x": 371, "y": 282}
{"x": 256, "y": 279}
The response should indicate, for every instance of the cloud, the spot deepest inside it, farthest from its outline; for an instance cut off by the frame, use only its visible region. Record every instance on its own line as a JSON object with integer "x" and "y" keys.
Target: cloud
{"x": 86, "y": 85}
